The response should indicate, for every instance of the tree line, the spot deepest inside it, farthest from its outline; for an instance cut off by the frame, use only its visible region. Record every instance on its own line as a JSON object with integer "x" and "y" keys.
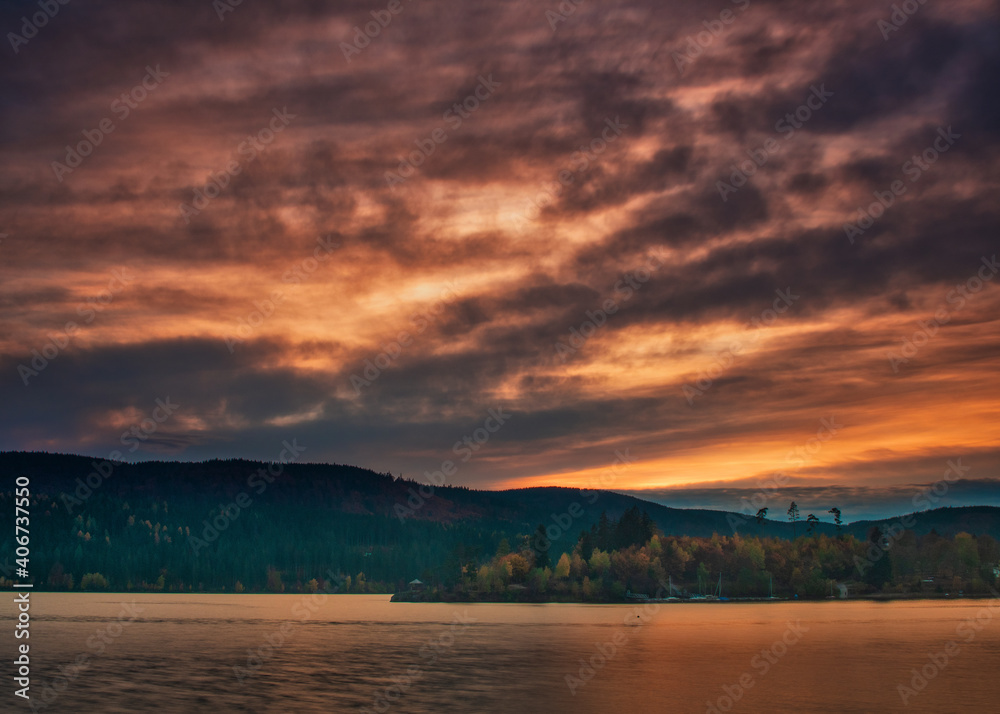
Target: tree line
{"x": 616, "y": 558}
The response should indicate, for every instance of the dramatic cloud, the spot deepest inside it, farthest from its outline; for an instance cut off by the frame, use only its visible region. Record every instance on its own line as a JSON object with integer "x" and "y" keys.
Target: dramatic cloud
{"x": 696, "y": 232}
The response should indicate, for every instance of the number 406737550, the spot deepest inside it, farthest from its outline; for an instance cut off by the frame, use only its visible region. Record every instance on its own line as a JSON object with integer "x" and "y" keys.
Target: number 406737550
{"x": 21, "y": 521}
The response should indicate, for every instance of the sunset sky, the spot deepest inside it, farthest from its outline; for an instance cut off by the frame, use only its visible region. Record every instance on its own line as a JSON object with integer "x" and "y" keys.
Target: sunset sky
{"x": 489, "y": 178}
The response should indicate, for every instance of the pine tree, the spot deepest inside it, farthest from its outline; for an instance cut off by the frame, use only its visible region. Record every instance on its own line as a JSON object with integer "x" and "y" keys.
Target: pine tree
{"x": 812, "y": 521}
{"x": 793, "y": 516}
{"x": 836, "y": 518}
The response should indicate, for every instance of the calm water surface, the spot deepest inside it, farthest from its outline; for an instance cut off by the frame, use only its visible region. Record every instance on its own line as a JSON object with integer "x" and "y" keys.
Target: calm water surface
{"x": 179, "y": 653}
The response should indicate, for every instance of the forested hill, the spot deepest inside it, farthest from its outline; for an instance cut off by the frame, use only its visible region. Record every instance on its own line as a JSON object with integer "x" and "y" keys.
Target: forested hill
{"x": 321, "y": 490}
{"x": 226, "y": 524}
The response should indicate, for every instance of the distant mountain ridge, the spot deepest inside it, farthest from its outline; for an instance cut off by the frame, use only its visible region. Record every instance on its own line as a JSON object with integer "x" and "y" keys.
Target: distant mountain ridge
{"x": 358, "y": 490}
{"x": 220, "y": 521}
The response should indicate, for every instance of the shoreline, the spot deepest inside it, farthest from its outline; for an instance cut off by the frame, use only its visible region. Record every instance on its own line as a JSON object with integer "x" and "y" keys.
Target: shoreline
{"x": 425, "y": 598}
{"x": 875, "y": 597}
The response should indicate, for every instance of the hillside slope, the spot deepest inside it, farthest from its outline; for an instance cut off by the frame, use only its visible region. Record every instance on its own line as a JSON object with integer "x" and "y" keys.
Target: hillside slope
{"x": 207, "y": 525}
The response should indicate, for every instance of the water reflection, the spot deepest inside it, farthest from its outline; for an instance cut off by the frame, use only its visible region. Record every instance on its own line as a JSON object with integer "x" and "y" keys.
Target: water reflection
{"x": 270, "y": 653}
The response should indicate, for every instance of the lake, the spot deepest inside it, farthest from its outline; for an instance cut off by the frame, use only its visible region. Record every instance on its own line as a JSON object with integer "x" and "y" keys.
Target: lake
{"x": 302, "y": 653}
